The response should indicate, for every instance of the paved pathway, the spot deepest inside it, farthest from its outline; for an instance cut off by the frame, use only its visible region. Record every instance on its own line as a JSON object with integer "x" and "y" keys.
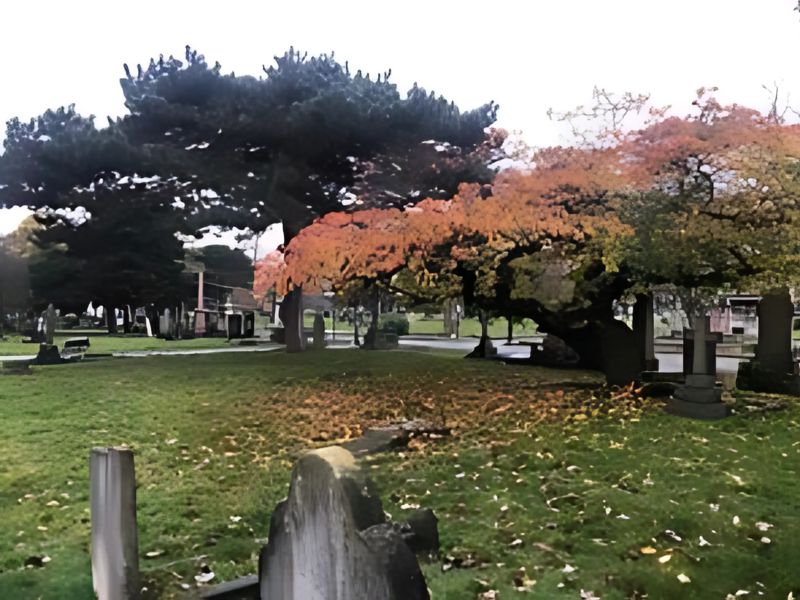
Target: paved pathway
{"x": 671, "y": 362}
{"x": 140, "y": 353}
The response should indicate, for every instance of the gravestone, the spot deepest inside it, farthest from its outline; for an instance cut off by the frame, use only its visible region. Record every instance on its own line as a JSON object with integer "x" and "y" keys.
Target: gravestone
{"x": 329, "y": 539}
{"x": 772, "y": 370}
{"x": 115, "y": 549}
{"x": 775, "y": 313}
{"x": 48, "y": 353}
{"x": 700, "y": 397}
{"x": 165, "y": 325}
{"x": 50, "y": 325}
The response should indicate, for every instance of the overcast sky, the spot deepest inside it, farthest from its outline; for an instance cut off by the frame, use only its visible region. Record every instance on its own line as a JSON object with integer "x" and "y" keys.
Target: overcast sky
{"x": 528, "y": 56}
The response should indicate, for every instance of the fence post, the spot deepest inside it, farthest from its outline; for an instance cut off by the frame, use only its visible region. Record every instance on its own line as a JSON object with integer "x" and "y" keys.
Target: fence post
{"x": 115, "y": 549}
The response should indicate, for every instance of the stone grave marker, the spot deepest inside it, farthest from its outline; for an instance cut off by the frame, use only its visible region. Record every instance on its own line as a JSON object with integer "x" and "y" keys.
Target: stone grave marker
{"x": 699, "y": 397}
{"x": 329, "y": 540}
{"x": 772, "y": 370}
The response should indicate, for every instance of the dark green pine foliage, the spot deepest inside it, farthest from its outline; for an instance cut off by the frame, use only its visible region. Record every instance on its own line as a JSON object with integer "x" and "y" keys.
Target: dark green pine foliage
{"x": 214, "y": 149}
{"x": 285, "y": 146}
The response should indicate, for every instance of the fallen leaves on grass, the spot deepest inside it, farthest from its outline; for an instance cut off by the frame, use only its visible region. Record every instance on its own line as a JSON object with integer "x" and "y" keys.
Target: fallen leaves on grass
{"x": 334, "y": 410}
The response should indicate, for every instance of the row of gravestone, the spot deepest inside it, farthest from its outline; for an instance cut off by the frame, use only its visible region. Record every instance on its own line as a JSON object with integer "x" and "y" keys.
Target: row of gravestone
{"x": 328, "y": 540}
{"x": 771, "y": 370}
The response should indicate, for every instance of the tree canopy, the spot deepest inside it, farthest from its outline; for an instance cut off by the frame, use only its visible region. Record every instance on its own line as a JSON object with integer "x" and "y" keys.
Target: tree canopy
{"x": 200, "y": 148}
{"x": 705, "y": 202}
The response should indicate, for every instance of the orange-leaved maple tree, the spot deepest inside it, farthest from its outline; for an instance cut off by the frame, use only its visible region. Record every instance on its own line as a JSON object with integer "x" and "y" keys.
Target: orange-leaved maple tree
{"x": 714, "y": 183}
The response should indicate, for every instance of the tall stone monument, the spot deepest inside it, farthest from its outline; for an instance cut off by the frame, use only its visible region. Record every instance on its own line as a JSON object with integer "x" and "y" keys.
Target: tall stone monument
{"x": 772, "y": 370}
{"x": 48, "y": 352}
{"x": 700, "y": 397}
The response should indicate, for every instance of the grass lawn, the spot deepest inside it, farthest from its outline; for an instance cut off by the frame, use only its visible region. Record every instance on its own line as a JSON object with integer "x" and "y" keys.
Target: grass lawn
{"x": 104, "y": 343}
{"x": 418, "y": 325}
{"x": 546, "y": 488}
{"x": 498, "y": 328}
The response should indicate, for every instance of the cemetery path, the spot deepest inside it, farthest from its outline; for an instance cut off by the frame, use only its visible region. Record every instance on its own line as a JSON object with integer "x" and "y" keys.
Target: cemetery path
{"x": 668, "y": 361}
{"x": 140, "y": 353}
{"x": 672, "y": 362}
{"x": 188, "y": 352}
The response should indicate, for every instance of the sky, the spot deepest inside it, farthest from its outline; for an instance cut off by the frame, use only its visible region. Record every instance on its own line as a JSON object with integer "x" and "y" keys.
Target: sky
{"x": 528, "y": 56}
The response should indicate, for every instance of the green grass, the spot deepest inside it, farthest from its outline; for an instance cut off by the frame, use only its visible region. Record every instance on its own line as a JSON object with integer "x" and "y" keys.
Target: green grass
{"x": 419, "y": 325}
{"x": 215, "y": 437}
{"x": 308, "y": 321}
{"x": 498, "y": 328}
{"x": 104, "y": 343}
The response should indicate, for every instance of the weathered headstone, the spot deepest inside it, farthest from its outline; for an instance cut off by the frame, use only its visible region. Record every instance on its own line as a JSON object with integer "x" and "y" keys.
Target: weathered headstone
{"x": 329, "y": 539}
{"x": 775, "y": 312}
{"x": 115, "y": 551}
{"x": 773, "y": 367}
{"x": 48, "y": 353}
{"x": 700, "y": 397}
{"x": 50, "y": 325}
{"x": 165, "y": 324}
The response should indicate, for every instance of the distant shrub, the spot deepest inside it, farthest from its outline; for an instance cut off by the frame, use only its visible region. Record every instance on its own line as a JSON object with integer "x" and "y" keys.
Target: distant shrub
{"x": 396, "y": 323}
{"x": 69, "y": 321}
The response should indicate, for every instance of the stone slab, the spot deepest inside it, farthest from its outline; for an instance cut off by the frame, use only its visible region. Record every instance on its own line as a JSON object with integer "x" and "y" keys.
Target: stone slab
{"x": 698, "y": 410}
{"x": 699, "y": 395}
{"x": 244, "y": 588}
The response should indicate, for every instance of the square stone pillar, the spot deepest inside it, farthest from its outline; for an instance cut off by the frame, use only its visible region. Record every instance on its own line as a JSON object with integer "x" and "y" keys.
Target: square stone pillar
{"x": 772, "y": 370}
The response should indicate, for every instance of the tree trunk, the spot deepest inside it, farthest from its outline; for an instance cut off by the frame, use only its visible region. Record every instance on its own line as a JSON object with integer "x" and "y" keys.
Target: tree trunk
{"x": 151, "y": 312}
{"x": 484, "y": 347}
{"x": 606, "y": 345}
{"x": 126, "y": 319}
{"x": 356, "y": 341}
{"x": 643, "y": 330}
{"x": 291, "y": 314}
{"x": 510, "y": 334}
{"x": 447, "y": 318}
{"x": 111, "y": 319}
{"x": 291, "y": 311}
{"x": 370, "y": 338}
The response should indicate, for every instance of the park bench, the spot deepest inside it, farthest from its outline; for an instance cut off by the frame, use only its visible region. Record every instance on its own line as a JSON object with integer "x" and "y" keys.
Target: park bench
{"x": 75, "y": 348}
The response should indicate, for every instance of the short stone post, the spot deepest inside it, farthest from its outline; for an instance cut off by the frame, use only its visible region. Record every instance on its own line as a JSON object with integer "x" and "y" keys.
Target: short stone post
{"x": 115, "y": 548}
{"x": 700, "y": 397}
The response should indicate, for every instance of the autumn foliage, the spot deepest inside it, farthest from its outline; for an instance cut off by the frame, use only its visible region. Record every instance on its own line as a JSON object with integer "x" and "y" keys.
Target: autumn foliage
{"x": 703, "y": 200}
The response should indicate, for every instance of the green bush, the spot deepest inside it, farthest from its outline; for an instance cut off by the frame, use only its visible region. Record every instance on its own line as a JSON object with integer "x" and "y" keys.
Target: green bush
{"x": 69, "y": 321}
{"x": 396, "y": 323}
